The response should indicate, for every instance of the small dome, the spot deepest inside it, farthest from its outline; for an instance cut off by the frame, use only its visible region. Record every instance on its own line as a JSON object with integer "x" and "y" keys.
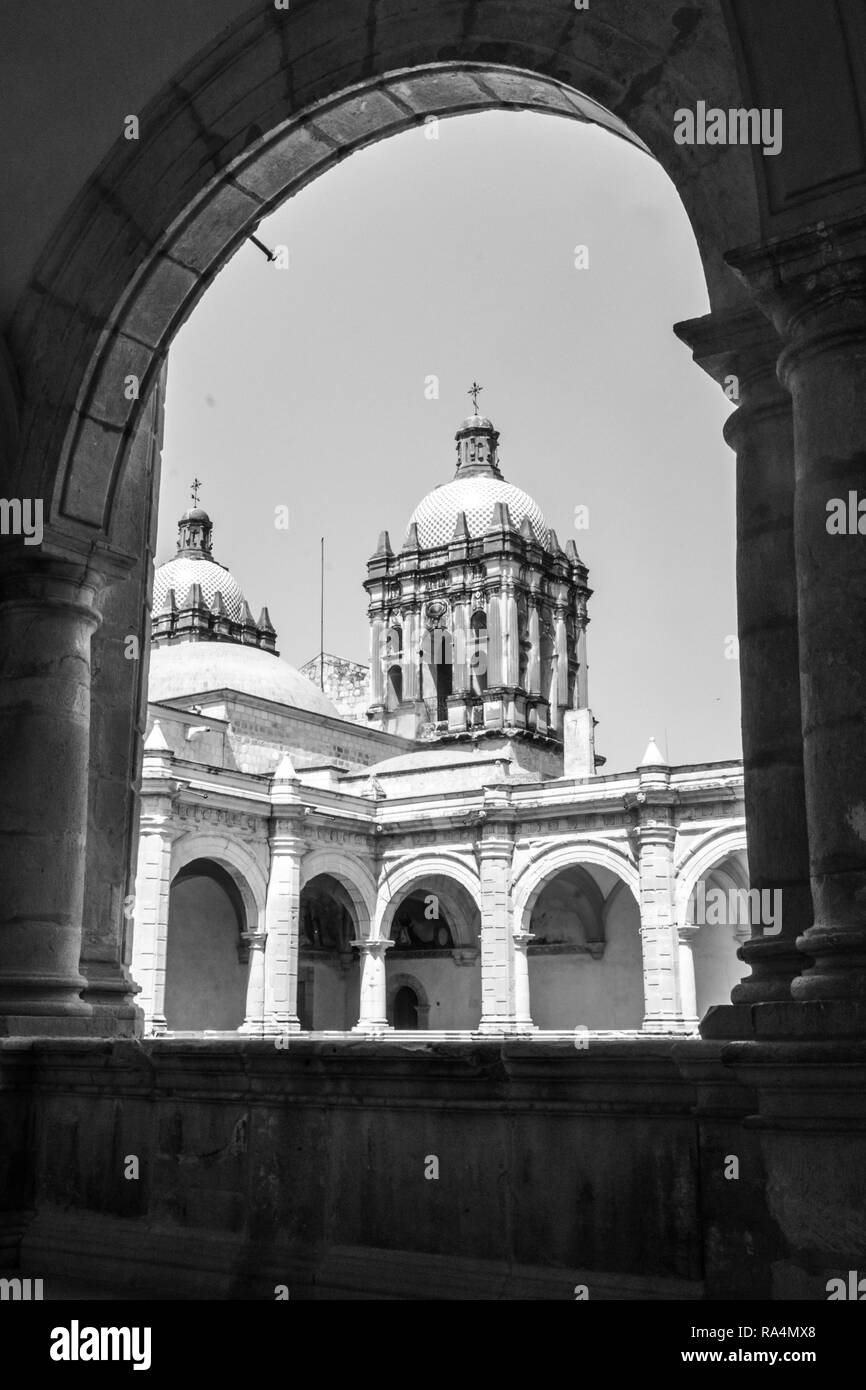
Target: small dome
{"x": 436, "y": 515}
{"x": 193, "y": 668}
{"x": 184, "y": 570}
{"x": 196, "y": 514}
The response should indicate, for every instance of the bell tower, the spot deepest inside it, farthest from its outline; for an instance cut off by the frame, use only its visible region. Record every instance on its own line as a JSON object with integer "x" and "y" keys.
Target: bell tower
{"x": 478, "y": 623}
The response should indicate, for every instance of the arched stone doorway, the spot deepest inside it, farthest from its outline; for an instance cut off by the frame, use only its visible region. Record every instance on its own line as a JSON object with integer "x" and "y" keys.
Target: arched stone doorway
{"x": 434, "y": 924}
{"x": 408, "y": 1008}
{"x": 207, "y": 960}
{"x": 585, "y": 962}
{"x": 328, "y": 973}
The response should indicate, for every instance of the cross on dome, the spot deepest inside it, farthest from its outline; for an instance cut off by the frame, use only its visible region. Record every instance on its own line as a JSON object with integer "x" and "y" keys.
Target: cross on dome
{"x": 474, "y": 392}
{"x": 196, "y": 484}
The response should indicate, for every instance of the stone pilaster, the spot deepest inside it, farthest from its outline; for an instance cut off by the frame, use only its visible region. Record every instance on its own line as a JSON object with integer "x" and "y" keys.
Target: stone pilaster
{"x": 740, "y": 351}
{"x": 687, "y": 980}
{"x": 283, "y": 904}
{"x": 495, "y": 854}
{"x": 48, "y": 615}
{"x": 153, "y": 880}
{"x": 654, "y": 837}
{"x": 813, "y": 286}
{"x": 255, "y": 1021}
{"x": 522, "y": 1003}
{"x": 373, "y": 1017}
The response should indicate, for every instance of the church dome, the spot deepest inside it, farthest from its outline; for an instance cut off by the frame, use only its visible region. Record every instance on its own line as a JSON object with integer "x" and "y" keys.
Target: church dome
{"x": 436, "y": 515}
{"x": 184, "y": 570}
{"x": 192, "y": 668}
{"x": 476, "y": 490}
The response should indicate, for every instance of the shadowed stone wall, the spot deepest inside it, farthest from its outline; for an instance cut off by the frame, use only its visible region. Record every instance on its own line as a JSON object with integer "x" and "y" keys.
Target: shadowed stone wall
{"x": 556, "y": 1167}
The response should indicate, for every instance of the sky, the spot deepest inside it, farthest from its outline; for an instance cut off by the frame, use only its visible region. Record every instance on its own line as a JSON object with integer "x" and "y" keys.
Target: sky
{"x": 308, "y": 388}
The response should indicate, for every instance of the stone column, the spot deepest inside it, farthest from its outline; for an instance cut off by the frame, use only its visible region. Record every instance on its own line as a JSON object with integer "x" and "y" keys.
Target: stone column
{"x": 378, "y": 661}
{"x": 118, "y": 720}
{"x": 48, "y": 615}
{"x": 283, "y": 903}
{"x": 411, "y": 643}
{"x": 511, "y": 664}
{"x": 740, "y": 351}
{"x": 534, "y": 676}
{"x": 494, "y": 643}
{"x": 582, "y": 701}
{"x": 654, "y": 837}
{"x": 255, "y": 1020}
{"x": 495, "y": 852}
{"x": 150, "y": 922}
{"x": 687, "y": 979}
{"x": 814, "y": 287}
{"x": 561, "y": 637}
{"x": 153, "y": 879}
{"x": 522, "y": 1004}
{"x": 373, "y": 1017}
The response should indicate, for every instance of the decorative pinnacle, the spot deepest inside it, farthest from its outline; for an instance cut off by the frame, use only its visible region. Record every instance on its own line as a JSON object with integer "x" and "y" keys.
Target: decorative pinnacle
{"x": 474, "y": 392}
{"x": 196, "y": 484}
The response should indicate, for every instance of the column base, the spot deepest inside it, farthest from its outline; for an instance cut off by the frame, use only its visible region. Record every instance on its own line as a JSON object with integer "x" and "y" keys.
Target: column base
{"x": 489, "y": 1027}
{"x": 50, "y": 1026}
{"x": 812, "y": 1020}
{"x": 270, "y": 1027}
{"x": 372, "y": 1030}
{"x": 774, "y": 963}
{"x": 837, "y": 968}
{"x": 677, "y": 1026}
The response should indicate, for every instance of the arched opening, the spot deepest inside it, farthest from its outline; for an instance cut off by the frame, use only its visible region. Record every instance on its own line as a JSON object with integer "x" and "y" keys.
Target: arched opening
{"x": 406, "y": 1008}
{"x": 395, "y": 686}
{"x": 207, "y": 964}
{"x": 478, "y": 653}
{"x": 435, "y": 926}
{"x": 718, "y": 918}
{"x": 214, "y": 186}
{"x": 585, "y": 963}
{"x": 328, "y": 971}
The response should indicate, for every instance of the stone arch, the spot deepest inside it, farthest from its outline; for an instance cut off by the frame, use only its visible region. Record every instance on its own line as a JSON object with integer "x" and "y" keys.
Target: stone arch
{"x": 268, "y": 107}
{"x": 352, "y": 873}
{"x": 567, "y": 854}
{"x": 406, "y": 875}
{"x": 711, "y": 851}
{"x": 233, "y": 856}
{"x": 590, "y": 977}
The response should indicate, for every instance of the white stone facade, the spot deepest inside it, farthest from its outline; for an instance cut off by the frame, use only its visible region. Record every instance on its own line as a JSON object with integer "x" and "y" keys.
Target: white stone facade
{"x": 559, "y": 905}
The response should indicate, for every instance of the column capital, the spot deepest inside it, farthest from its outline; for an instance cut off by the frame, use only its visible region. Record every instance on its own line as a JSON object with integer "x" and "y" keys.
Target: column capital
{"x": 374, "y": 946}
{"x": 812, "y": 285}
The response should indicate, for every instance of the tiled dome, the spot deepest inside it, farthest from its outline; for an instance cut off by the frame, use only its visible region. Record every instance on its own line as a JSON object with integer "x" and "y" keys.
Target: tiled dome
{"x": 436, "y": 515}
{"x": 184, "y": 570}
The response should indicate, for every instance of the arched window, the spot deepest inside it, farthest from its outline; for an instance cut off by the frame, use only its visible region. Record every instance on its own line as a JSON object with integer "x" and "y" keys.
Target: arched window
{"x": 395, "y": 686}
{"x": 477, "y": 654}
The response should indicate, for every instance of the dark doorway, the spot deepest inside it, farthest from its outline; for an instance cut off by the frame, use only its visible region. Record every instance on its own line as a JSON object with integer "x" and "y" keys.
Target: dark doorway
{"x": 405, "y": 1008}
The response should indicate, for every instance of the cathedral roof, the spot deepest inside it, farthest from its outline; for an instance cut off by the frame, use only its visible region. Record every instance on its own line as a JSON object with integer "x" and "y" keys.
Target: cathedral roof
{"x": 193, "y": 668}
{"x": 475, "y": 493}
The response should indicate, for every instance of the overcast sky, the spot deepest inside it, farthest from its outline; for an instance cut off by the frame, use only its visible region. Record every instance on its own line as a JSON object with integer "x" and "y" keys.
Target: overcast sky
{"x": 455, "y": 257}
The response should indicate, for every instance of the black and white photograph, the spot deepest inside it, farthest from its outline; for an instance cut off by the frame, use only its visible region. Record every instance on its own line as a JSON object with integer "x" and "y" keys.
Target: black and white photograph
{"x": 432, "y": 671}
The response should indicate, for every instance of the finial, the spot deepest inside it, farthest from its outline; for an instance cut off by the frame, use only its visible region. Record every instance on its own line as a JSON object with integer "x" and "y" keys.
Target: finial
{"x": 196, "y": 484}
{"x": 474, "y": 391}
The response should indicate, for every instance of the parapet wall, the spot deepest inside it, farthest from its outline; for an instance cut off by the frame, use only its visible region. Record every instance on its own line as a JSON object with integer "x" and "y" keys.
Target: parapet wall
{"x": 464, "y": 1170}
